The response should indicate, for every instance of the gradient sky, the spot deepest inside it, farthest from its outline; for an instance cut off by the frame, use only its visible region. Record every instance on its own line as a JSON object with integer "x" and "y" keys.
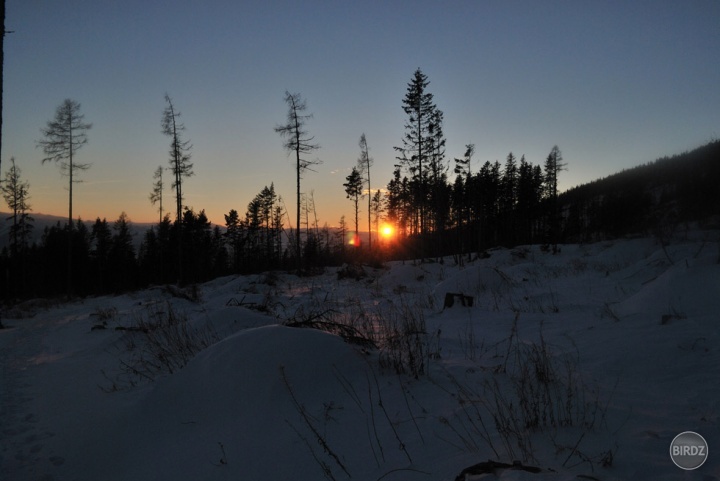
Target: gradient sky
{"x": 613, "y": 83}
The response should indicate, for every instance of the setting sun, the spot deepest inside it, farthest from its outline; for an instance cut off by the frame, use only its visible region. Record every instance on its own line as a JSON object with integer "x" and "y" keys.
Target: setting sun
{"x": 387, "y": 231}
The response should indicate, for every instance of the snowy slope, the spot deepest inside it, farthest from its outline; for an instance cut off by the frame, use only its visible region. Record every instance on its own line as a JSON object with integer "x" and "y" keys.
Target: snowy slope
{"x": 625, "y": 333}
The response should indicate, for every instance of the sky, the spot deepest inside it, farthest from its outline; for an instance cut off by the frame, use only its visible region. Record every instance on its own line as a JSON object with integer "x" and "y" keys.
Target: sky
{"x": 614, "y": 84}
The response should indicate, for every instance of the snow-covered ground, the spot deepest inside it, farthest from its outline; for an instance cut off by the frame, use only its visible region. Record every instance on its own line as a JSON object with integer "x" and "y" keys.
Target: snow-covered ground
{"x": 585, "y": 364}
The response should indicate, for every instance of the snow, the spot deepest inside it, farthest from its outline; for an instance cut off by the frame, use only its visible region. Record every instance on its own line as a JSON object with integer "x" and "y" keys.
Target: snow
{"x": 636, "y": 326}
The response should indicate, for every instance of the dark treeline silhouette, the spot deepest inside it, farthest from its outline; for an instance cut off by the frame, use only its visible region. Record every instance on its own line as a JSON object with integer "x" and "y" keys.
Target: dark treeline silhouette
{"x": 499, "y": 205}
{"x": 517, "y": 203}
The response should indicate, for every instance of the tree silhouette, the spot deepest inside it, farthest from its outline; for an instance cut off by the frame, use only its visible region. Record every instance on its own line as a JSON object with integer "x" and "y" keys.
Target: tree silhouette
{"x": 156, "y": 196}
{"x": 179, "y": 165}
{"x": 553, "y": 166}
{"x": 353, "y": 189}
{"x": 421, "y": 142}
{"x": 179, "y": 152}
{"x": 300, "y": 143}
{"x": 16, "y": 193}
{"x": 364, "y": 164}
{"x": 62, "y": 138}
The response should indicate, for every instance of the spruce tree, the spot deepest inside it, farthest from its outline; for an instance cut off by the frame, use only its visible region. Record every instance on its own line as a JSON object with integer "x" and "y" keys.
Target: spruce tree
{"x": 553, "y": 165}
{"x": 353, "y": 190}
{"x": 422, "y": 141}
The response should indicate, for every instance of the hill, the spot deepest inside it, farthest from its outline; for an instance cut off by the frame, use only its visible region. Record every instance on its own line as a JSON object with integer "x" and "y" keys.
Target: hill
{"x": 584, "y": 365}
{"x": 650, "y": 198}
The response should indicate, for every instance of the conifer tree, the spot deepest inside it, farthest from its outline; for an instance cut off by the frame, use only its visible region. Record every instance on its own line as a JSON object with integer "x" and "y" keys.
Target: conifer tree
{"x": 364, "y": 164}
{"x": 62, "y": 138}
{"x": 16, "y": 193}
{"x": 353, "y": 190}
{"x": 553, "y": 166}
{"x": 300, "y": 143}
{"x": 156, "y": 196}
{"x": 422, "y": 141}
{"x": 179, "y": 152}
{"x": 180, "y": 166}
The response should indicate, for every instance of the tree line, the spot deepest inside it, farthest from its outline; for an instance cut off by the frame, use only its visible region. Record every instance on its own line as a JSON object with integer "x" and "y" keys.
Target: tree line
{"x": 434, "y": 210}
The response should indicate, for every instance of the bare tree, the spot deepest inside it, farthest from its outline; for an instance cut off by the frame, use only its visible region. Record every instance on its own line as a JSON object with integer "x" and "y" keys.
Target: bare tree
{"x": 156, "y": 196}
{"x": 63, "y": 137}
{"x": 180, "y": 166}
{"x": 179, "y": 151}
{"x": 298, "y": 142}
{"x": 365, "y": 162}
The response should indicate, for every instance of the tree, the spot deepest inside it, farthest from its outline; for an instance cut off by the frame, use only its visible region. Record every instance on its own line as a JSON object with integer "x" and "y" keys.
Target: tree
{"x": 353, "y": 189}
{"x": 364, "y": 164}
{"x": 63, "y": 137}
{"x": 298, "y": 142}
{"x": 16, "y": 193}
{"x": 234, "y": 237}
{"x": 462, "y": 166}
{"x": 377, "y": 208}
{"x": 122, "y": 254}
{"x": 2, "y": 58}
{"x": 553, "y": 166}
{"x": 157, "y": 193}
{"x": 422, "y": 140}
{"x": 179, "y": 152}
{"x": 179, "y": 165}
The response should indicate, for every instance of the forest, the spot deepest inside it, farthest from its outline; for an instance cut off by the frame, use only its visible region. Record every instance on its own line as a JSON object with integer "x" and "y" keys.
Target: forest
{"x": 436, "y": 207}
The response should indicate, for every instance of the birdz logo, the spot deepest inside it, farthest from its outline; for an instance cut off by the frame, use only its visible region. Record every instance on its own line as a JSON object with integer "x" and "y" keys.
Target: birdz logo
{"x": 688, "y": 450}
